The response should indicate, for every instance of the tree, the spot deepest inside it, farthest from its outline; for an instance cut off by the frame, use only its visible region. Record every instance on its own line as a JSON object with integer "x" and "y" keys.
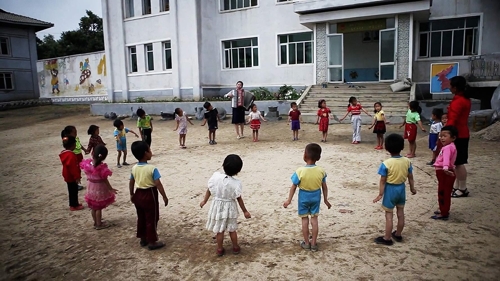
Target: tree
{"x": 88, "y": 38}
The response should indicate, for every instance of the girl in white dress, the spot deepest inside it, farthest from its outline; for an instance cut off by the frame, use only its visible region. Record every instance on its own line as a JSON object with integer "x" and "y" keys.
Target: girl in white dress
{"x": 223, "y": 213}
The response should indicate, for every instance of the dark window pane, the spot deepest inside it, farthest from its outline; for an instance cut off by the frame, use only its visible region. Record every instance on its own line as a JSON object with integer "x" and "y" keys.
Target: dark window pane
{"x": 469, "y": 42}
{"x": 446, "y": 46}
{"x": 233, "y": 4}
{"x": 435, "y": 44}
{"x": 292, "y": 59}
{"x": 164, "y": 6}
{"x": 255, "y": 41}
{"x": 424, "y": 26}
{"x": 255, "y": 57}
{"x": 168, "y": 59}
{"x": 248, "y": 57}
{"x": 2, "y": 82}
{"x": 424, "y": 41}
{"x": 8, "y": 81}
{"x": 167, "y": 45}
{"x": 242, "y": 43}
{"x": 309, "y": 52}
{"x": 448, "y": 24}
{"x": 227, "y": 57}
{"x": 283, "y": 38}
{"x": 390, "y": 23}
{"x": 247, "y": 3}
{"x": 472, "y": 22}
{"x": 146, "y": 7}
{"x": 476, "y": 42}
{"x": 241, "y": 57}
{"x": 300, "y": 53}
{"x": 151, "y": 64}
{"x": 283, "y": 54}
{"x": 134, "y": 63}
{"x": 4, "y": 49}
{"x": 458, "y": 43}
{"x": 225, "y": 5}
{"x": 254, "y": 2}
{"x": 239, "y": 4}
{"x": 299, "y": 37}
{"x": 234, "y": 58}
{"x": 132, "y": 50}
{"x": 227, "y": 44}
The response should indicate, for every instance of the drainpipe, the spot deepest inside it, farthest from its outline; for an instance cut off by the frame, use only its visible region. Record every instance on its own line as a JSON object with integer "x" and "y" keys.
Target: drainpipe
{"x": 107, "y": 47}
{"x": 176, "y": 75}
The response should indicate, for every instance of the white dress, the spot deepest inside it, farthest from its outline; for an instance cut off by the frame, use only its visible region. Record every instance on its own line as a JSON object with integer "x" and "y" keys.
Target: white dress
{"x": 223, "y": 213}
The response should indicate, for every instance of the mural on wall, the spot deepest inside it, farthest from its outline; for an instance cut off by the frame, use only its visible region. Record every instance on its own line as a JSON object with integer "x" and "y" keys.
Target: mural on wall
{"x": 441, "y": 73}
{"x": 79, "y": 75}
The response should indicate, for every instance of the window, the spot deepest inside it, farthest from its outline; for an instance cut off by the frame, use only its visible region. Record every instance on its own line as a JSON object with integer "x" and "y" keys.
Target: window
{"x": 6, "y": 81}
{"x": 150, "y": 62}
{"x": 164, "y": 5}
{"x": 129, "y": 8}
{"x": 296, "y": 48}
{"x": 146, "y": 7}
{"x": 449, "y": 38}
{"x": 227, "y": 5}
{"x": 167, "y": 49}
{"x": 4, "y": 46}
{"x": 241, "y": 53}
{"x": 132, "y": 53}
{"x": 280, "y": 1}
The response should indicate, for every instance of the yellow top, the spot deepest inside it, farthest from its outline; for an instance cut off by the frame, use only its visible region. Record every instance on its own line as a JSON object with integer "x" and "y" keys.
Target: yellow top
{"x": 396, "y": 169}
{"x": 379, "y": 115}
{"x": 309, "y": 177}
{"x": 144, "y": 175}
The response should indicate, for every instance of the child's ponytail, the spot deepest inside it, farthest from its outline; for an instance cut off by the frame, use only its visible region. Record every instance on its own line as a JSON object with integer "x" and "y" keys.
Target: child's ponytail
{"x": 100, "y": 153}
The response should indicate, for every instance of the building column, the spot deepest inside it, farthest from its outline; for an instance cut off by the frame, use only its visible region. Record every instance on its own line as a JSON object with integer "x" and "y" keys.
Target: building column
{"x": 110, "y": 88}
{"x": 403, "y": 46}
{"x": 321, "y": 54}
{"x": 176, "y": 66}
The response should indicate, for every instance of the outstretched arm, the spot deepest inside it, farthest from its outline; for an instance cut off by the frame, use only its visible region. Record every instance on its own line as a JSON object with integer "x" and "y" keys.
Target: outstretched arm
{"x": 365, "y": 111}
{"x": 192, "y": 122}
{"x": 421, "y": 126}
{"x": 341, "y": 119}
{"x": 136, "y": 135}
{"x": 373, "y": 123}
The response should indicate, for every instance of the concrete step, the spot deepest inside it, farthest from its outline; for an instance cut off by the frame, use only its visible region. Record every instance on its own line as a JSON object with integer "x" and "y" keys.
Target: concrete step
{"x": 354, "y": 93}
{"x": 366, "y": 102}
{"x": 309, "y": 117}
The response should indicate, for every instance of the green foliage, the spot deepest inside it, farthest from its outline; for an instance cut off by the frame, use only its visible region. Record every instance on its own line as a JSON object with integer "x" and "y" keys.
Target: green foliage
{"x": 88, "y": 38}
{"x": 140, "y": 100}
{"x": 263, "y": 93}
{"x": 288, "y": 93}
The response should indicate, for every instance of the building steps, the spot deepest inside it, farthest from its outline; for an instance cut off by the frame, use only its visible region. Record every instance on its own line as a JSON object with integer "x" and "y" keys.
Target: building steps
{"x": 395, "y": 105}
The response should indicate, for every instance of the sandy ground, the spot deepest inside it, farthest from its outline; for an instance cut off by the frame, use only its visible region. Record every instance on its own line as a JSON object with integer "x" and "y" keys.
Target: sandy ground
{"x": 41, "y": 239}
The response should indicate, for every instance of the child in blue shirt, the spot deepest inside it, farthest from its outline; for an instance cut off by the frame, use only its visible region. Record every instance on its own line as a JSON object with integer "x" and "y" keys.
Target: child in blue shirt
{"x": 121, "y": 141}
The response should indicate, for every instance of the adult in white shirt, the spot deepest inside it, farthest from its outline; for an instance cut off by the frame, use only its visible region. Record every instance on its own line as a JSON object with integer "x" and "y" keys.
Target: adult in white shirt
{"x": 238, "y": 118}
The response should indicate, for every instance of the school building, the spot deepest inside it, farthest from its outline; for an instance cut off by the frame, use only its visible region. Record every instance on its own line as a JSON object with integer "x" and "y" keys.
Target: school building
{"x": 160, "y": 49}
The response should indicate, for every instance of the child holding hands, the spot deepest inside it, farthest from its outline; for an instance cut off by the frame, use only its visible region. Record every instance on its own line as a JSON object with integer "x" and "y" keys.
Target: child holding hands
{"x": 311, "y": 181}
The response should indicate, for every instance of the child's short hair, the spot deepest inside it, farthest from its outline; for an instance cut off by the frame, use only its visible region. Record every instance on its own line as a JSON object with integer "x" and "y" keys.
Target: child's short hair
{"x": 252, "y": 106}
{"x": 452, "y": 130}
{"x": 139, "y": 149}
{"x": 68, "y": 142}
{"x": 375, "y": 104}
{"x": 293, "y": 104}
{"x": 394, "y": 143}
{"x": 438, "y": 112}
{"x": 415, "y": 106}
{"x": 117, "y": 123}
{"x": 232, "y": 165}
{"x": 240, "y": 82}
{"x": 92, "y": 129}
{"x": 313, "y": 151}
{"x": 67, "y": 131}
{"x": 177, "y": 110}
{"x": 140, "y": 112}
{"x": 320, "y": 102}
{"x": 351, "y": 99}
{"x": 99, "y": 154}
{"x": 206, "y": 105}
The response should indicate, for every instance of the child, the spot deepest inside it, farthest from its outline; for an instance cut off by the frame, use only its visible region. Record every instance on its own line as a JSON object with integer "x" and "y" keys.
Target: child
{"x": 393, "y": 174}
{"x": 378, "y": 125}
{"x": 71, "y": 171}
{"x": 145, "y": 125}
{"x": 355, "y": 109}
{"x": 120, "y": 134}
{"x": 323, "y": 119}
{"x": 95, "y": 139}
{"x": 434, "y": 142}
{"x": 295, "y": 117}
{"x": 71, "y": 131}
{"x": 445, "y": 166}
{"x": 411, "y": 121}
{"x": 223, "y": 213}
{"x": 212, "y": 117}
{"x": 254, "y": 119}
{"x": 100, "y": 194}
{"x": 311, "y": 181}
{"x": 145, "y": 179}
{"x": 182, "y": 120}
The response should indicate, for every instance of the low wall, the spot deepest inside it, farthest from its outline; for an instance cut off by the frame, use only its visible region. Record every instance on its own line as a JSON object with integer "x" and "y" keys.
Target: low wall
{"x": 154, "y": 108}
{"x": 428, "y": 105}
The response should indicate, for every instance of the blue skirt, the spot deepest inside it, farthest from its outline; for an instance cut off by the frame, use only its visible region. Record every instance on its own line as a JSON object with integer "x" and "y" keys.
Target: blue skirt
{"x": 433, "y": 138}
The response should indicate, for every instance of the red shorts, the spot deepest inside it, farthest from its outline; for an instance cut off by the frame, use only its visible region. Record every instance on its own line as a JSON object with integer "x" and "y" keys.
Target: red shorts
{"x": 410, "y": 132}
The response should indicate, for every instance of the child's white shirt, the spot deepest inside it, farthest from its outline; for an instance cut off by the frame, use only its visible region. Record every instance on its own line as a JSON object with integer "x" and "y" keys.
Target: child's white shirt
{"x": 436, "y": 127}
{"x": 254, "y": 115}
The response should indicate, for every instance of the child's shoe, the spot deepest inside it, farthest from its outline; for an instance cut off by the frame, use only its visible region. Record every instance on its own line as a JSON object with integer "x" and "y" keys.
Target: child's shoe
{"x": 431, "y": 162}
{"x": 125, "y": 164}
{"x": 314, "y": 248}
{"x": 236, "y": 250}
{"x": 221, "y": 252}
{"x": 381, "y": 240}
{"x": 80, "y": 187}
{"x": 77, "y": 208}
{"x": 156, "y": 245}
{"x": 118, "y": 165}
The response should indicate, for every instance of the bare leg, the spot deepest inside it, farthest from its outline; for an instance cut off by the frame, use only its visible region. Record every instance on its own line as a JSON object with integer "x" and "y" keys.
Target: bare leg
{"x": 124, "y": 156}
{"x": 388, "y": 225}
{"x": 213, "y": 135}
{"x": 461, "y": 181}
{"x": 305, "y": 229}
{"x": 237, "y": 130}
{"x": 256, "y": 135}
{"x": 98, "y": 217}
{"x": 93, "y": 216}
{"x": 184, "y": 140}
{"x": 315, "y": 229}
{"x": 180, "y": 140}
{"x": 401, "y": 220}
{"x": 220, "y": 239}
{"x": 234, "y": 239}
{"x": 118, "y": 157}
{"x": 241, "y": 127}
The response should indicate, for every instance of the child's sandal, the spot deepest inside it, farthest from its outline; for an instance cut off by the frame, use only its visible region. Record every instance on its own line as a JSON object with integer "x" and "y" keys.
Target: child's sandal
{"x": 236, "y": 250}
{"x": 221, "y": 252}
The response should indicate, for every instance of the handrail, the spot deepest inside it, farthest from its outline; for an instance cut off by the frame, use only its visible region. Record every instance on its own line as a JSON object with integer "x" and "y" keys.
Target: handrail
{"x": 303, "y": 96}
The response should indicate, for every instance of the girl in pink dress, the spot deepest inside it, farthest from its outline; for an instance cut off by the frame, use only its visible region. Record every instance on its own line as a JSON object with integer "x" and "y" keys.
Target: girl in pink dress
{"x": 100, "y": 194}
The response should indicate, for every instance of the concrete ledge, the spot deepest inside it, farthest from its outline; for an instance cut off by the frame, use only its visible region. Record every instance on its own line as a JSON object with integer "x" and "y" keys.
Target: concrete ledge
{"x": 24, "y": 103}
{"x": 154, "y": 108}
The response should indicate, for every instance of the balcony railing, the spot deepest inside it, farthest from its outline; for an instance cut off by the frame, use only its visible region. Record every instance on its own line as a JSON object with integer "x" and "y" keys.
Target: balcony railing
{"x": 484, "y": 68}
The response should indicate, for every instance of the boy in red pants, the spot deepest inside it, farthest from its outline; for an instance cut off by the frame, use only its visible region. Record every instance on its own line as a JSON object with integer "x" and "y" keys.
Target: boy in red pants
{"x": 445, "y": 171}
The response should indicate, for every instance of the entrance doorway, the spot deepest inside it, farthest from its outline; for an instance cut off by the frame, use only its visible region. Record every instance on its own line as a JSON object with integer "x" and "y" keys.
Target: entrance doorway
{"x": 362, "y": 51}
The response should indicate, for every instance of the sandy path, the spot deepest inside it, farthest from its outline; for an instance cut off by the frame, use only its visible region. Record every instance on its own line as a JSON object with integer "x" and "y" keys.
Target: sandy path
{"x": 41, "y": 239}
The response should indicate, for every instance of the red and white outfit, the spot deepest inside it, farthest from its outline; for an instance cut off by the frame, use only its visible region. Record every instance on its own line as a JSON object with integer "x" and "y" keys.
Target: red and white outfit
{"x": 98, "y": 195}
{"x": 255, "y": 120}
{"x": 324, "y": 119}
{"x": 445, "y": 161}
{"x": 355, "y": 121}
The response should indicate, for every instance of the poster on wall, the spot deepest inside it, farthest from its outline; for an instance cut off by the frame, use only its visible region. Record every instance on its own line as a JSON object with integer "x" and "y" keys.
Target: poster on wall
{"x": 441, "y": 73}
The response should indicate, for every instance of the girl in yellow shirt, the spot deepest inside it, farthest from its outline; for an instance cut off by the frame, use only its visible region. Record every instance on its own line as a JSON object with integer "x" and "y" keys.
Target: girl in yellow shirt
{"x": 378, "y": 125}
